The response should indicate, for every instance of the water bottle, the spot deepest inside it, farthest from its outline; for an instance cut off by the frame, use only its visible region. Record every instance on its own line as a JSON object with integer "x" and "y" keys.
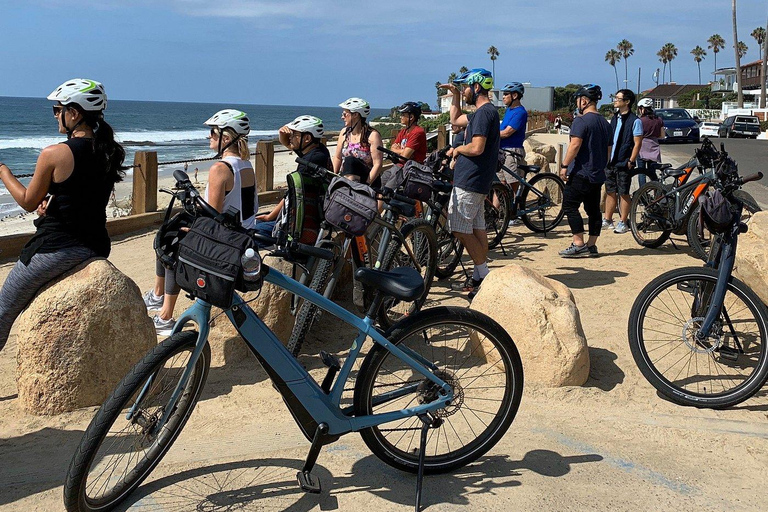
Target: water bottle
{"x": 251, "y": 265}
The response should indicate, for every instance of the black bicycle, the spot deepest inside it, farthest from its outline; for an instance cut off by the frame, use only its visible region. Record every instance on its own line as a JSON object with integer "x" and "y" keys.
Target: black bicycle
{"x": 698, "y": 334}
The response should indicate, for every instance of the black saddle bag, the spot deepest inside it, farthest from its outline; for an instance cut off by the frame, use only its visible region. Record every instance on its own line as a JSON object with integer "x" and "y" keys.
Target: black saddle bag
{"x": 417, "y": 182}
{"x": 350, "y": 206}
{"x": 209, "y": 261}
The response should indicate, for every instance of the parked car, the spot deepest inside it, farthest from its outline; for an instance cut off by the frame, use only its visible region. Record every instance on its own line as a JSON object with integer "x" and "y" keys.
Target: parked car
{"x": 707, "y": 129}
{"x": 679, "y": 125}
{"x": 740, "y": 126}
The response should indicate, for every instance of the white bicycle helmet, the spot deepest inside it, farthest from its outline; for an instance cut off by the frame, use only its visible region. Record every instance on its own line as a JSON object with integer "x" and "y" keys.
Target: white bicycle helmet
{"x": 231, "y": 118}
{"x": 645, "y": 103}
{"x": 308, "y": 124}
{"x": 358, "y": 105}
{"x": 88, "y": 94}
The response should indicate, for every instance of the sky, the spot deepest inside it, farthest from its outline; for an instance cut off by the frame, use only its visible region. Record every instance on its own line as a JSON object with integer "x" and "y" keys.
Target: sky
{"x": 320, "y": 52}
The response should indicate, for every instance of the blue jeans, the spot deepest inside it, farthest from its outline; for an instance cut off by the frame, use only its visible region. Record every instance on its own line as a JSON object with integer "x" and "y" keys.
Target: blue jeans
{"x": 264, "y": 228}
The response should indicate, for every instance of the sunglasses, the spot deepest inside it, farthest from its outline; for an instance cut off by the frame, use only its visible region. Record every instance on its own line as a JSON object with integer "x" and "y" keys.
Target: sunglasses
{"x": 214, "y": 133}
{"x": 346, "y": 114}
{"x": 57, "y": 109}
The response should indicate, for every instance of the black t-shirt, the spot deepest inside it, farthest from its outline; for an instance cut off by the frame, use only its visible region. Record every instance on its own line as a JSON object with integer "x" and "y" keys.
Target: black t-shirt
{"x": 596, "y": 136}
{"x": 476, "y": 173}
{"x": 319, "y": 155}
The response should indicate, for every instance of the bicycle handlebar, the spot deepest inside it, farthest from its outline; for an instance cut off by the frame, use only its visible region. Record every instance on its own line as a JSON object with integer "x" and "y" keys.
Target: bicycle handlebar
{"x": 752, "y": 177}
{"x": 392, "y": 155}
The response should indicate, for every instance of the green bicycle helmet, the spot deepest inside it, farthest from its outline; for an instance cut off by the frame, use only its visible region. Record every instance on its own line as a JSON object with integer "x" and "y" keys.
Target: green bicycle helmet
{"x": 479, "y": 76}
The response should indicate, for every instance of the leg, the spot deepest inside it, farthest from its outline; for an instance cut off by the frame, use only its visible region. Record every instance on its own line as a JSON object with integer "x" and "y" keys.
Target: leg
{"x": 611, "y": 199}
{"x": 25, "y": 281}
{"x": 592, "y": 207}
{"x": 572, "y": 198}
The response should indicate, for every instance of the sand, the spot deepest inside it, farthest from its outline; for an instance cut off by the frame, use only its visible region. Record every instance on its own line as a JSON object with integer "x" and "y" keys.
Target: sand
{"x": 610, "y": 445}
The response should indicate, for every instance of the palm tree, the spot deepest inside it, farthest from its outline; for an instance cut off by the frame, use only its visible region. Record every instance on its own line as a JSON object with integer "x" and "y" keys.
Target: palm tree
{"x": 612, "y": 57}
{"x": 452, "y": 77}
{"x": 740, "y": 92}
{"x": 494, "y": 53}
{"x": 440, "y": 92}
{"x": 759, "y": 35}
{"x": 716, "y": 43}
{"x": 463, "y": 69}
{"x": 662, "y": 55}
{"x": 671, "y": 51}
{"x": 698, "y": 55}
{"x": 627, "y": 50}
{"x": 742, "y": 48}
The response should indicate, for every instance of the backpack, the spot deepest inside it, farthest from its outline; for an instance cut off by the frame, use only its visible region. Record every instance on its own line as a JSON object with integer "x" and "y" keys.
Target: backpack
{"x": 302, "y": 212}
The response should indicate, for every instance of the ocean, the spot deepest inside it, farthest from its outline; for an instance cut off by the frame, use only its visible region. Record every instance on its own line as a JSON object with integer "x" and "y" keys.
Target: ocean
{"x": 175, "y": 130}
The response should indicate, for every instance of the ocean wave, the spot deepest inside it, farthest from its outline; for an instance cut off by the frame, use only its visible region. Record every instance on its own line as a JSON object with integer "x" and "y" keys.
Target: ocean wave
{"x": 147, "y": 138}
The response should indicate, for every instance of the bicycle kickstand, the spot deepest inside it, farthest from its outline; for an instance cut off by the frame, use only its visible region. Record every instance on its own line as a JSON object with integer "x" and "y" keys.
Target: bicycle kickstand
{"x": 306, "y": 481}
{"x": 427, "y": 422}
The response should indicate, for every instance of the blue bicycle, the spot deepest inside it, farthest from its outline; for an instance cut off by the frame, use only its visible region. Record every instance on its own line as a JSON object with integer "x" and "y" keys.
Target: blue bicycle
{"x": 446, "y": 377}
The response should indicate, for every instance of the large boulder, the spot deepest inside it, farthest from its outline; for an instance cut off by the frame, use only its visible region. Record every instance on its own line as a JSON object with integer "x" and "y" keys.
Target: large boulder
{"x": 272, "y": 304}
{"x": 542, "y": 318}
{"x": 752, "y": 257}
{"x": 548, "y": 151}
{"x": 78, "y": 337}
{"x": 534, "y": 158}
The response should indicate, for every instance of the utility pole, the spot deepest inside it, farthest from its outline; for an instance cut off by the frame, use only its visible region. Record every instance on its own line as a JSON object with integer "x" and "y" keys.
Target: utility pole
{"x": 638, "y": 81}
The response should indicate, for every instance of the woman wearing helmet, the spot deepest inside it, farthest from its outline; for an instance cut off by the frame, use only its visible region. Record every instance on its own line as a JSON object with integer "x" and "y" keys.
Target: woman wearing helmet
{"x": 653, "y": 130}
{"x": 356, "y": 155}
{"x": 231, "y": 184}
{"x": 70, "y": 190}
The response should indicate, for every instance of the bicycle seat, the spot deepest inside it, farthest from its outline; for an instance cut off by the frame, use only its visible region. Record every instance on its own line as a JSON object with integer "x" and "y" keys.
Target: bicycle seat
{"x": 673, "y": 173}
{"x": 403, "y": 283}
{"x": 664, "y": 167}
{"x": 529, "y": 168}
{"x": 401, "y": 208}
{"x": 442, "y": 186}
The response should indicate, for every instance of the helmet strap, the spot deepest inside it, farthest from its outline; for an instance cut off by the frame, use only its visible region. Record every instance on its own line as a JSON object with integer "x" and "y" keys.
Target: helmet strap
{"x": 228, "y": 145}
{"x": 69, "y": 130}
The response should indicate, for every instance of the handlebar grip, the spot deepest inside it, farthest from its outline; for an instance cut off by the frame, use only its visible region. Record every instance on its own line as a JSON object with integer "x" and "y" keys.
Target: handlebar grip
{"x": 404, "y": 199}
{"x": 312, "y": 166}
{"x": 310, "y": 250}
{"x": 752, "y": 177}
{"x": 392, "y": 153}
{"x": 264, "y": 239}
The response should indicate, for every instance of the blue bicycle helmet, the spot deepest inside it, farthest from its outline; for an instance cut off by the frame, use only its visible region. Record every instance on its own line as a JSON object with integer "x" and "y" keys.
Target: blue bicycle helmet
{"x": 479, "y": 76}
{"x": 514, "y": 87}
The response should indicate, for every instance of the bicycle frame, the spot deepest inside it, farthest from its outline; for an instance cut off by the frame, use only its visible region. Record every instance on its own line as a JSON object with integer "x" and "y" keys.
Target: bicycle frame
{"x": 306, "y": 401}
{"x": 685, "y": 197}
{"x": 524, "y": 185}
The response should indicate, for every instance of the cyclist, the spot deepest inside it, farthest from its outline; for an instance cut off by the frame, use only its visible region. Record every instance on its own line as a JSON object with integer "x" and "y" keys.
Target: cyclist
{"x": 231, "y": 184}
{"x": 410, "y": 142}
{"x": 653, "y": 130}
{"x": 627, "y": 139}
{"x": 357, "y": 156}
{"x": 475, "y": 169}
{"x": 304, "y": 137}
{"x": 70, "y": 189}
{"x": 583, "y": 170}
{"x": 512, "y": 130}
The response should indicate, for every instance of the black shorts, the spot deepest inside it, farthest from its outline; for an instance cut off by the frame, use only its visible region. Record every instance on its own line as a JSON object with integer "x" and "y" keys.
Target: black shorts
{"x": 618, "y": 180}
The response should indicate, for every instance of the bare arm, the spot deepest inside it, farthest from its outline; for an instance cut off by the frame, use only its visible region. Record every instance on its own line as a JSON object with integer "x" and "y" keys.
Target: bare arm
{"x": 457, "y": 117}
{"x": 337, "y": 154}
{"x": 507, "y": 132}
{"x": 374, "y": 139}
{"x": 570, "y": 155}
{"x": 475, "y": 147}
{"x": 284, "y": 135}
{"x": 218, "y": 178}
{"x": 57, "y": 158}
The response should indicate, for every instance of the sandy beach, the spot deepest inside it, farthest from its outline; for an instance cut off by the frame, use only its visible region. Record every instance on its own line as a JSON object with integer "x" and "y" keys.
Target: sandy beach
{"x": 610, "y": 445}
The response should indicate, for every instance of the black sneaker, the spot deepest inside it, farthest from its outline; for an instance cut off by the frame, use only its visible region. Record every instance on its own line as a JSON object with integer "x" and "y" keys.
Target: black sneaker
{"x": 471, "y": 284}
{"x": 593, "y": 251}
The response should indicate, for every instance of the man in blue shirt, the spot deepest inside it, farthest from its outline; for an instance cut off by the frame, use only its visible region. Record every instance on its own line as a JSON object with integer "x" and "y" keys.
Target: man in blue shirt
{"x": 627, "y": 141}
{"x": 512, "y": 131}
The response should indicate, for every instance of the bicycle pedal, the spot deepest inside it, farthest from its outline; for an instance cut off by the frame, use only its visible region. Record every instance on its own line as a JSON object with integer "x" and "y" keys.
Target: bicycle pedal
{"x": 308, "y": 483}
{"x": 728, "y": 353}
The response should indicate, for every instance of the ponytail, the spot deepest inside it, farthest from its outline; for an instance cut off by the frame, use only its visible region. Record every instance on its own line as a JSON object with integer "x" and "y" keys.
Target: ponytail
{"x": 109, "y": 152}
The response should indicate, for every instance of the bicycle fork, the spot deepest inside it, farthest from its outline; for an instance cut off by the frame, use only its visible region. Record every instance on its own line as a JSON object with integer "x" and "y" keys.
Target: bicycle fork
{"x": 726, "y": 263}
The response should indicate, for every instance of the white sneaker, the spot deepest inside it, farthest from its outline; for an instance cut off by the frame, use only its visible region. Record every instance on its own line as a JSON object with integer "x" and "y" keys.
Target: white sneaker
{"x": 163, "y": 327}
{"x": 513, "y": 222}
{"x": 607, "y": 224}
{"x": 152, "y": 301}
{"x": 621, "y": 228}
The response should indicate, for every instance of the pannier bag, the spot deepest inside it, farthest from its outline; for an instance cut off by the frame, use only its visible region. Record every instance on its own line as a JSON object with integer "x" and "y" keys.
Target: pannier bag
{"x": 417, "y": 182}
{"x": 302, "y": 212}
{"x": 209, "y": 265}
{"x": 715, "y": 212}
{"x": 351, "y": 206}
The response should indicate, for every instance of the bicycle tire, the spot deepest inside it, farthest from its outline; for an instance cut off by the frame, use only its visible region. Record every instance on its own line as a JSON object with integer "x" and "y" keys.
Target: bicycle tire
{"x": 701, "y": 246}
{"x": 638, "y": 223}
{"x": 424, "y": 247}
{"x": 85, "y": 461}
{"x": 497, "y": 219}
{"x": 552, "y": 188}
{"x": 474, "y": 388}
{"x": 663, "y": 361}
{"x": 449, "y": 249}
{"x": 308, "y": 311}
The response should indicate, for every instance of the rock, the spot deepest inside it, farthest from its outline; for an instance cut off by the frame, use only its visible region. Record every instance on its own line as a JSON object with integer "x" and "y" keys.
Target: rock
{"x": 79, "y": 336}
{"x": 548, "y": 151}
{"x": 273, "y": 306}
{"x": 751, "y": 256}
{"x": 534, "y": 158}
{"x": 542, "y": 318}
{"x": 529, "y": 145}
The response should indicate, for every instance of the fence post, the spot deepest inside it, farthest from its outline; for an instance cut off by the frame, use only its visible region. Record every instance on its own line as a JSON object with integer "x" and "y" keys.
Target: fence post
{"x": 265, "y": 165}
{"x": 144, "y": 198}
{"x": 442, "y": 137}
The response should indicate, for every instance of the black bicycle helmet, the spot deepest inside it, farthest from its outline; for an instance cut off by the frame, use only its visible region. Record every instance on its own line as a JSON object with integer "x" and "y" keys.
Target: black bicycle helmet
{"x": 411, "y": 107}
{"x": 716, "y": 211}
{"x": 591, "y": 91}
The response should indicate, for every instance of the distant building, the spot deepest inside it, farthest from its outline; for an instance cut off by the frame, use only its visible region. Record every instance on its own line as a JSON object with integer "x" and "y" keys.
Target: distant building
{"x": 540, "y": 99}
{"x": 725, "y": 78}
{"x": 667, "y": 95}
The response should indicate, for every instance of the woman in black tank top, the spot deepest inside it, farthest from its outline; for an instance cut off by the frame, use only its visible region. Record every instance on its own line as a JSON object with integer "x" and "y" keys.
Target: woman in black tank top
{"x": 70, "y": 190}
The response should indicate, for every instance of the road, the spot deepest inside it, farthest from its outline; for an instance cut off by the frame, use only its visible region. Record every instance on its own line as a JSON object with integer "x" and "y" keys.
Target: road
{"x": 751, "y": 155}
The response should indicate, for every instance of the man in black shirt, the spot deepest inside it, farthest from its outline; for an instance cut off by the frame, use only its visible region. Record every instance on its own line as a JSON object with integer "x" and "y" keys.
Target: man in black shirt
{"x": 475, "y": 169}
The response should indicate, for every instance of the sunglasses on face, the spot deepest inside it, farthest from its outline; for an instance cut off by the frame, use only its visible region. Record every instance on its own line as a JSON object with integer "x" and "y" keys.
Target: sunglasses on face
{"x": 57, "y": 110}
{"x": 346, "y": 114}
{"x": 214, "y": 133}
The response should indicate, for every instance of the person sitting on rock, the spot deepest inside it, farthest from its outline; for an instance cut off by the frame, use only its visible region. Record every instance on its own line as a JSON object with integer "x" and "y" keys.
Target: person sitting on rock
{"x": 231, "y": 184}
{"x": 70, "y": 190}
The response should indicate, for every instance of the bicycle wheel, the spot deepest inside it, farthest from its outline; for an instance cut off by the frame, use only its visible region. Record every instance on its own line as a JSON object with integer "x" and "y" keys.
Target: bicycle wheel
{"x": 421, "y": 239}
{"x": 701, "y": 240}
{"x": 646, "y": 218}
{"x": 449, "y": 250}
{"x": 475, "y": 356}
{"x": 497, "y": 217}
{"x": 116, "y": 454}
{"x": 728, "y": 367}
{"x": 308, "y": 311}
{"x": 548, "y": 209}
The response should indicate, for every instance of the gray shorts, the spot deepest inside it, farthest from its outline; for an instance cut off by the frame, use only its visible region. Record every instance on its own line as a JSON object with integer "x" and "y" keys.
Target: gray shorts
{"x": 392, "y": 177}
{"x": 510, "y": 162}
{"x": 466, "y": 211}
